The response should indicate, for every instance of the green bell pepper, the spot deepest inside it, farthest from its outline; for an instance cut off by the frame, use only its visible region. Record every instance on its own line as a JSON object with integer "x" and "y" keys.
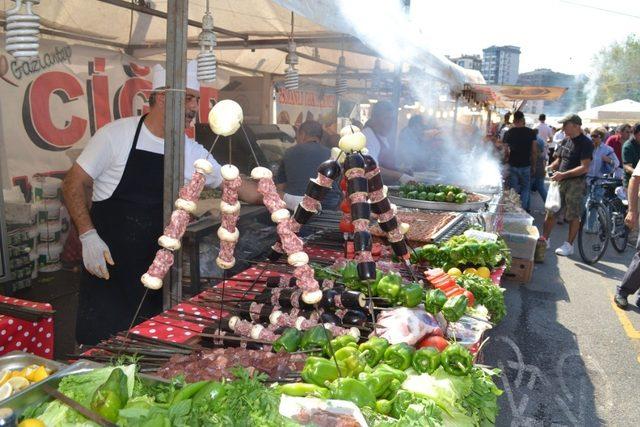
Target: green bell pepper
{"x": 454, "y": 308}
{"x": 397, "y": 373}
{"x": 434, "y": 300}
{"x": 410, "y": 295}
{"x": 352, "y": 390}
{"x": 352, "y": 360}
{"x": 389, "y": 287}
{"x": 304, "y": 390}
{"x": 316, "y": 337}
{"x": 456, "y": 360}
{"x": 373, "y": 350}
{"x": 383, "y": 406}
{"x": 399, "y": 356}
{"x": 400, "y": 403}
{"x": 393, "y": 389}
{"x": 340, "y": 342}
{"x": 111, "y": 396}
{"x": 374, "y": 285}
{"x": 289, "y": 341}
{"x": 426, "y": 360}
{"x": 318, "y": 370}
{"x": 378, "y": 382}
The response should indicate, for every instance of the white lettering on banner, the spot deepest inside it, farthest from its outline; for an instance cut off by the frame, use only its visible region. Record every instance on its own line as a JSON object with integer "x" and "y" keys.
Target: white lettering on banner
{"x": 62, "y": 98}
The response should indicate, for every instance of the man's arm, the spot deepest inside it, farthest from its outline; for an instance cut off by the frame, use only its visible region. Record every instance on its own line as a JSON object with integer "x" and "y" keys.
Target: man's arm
{"x": 631, "y": 219}
{"x": 534, "y": 156}
{"x": 577, "y": 171}
{"x": 76, "y": 189}
{"x": 628, "y": 167}
{"x": 248, "y": 191}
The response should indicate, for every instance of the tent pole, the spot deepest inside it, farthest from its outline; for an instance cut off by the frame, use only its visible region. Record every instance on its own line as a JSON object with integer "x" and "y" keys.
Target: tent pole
{"x": 176, "y": 65}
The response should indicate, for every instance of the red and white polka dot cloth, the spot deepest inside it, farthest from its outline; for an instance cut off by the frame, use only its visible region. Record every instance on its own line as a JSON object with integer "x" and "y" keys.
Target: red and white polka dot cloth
{"x": 24, "y": 335}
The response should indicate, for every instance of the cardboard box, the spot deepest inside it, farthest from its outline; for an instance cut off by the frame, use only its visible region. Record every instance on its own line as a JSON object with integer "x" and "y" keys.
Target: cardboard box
{"x": 521, "y": 270}
{"x": 522, "y": 245}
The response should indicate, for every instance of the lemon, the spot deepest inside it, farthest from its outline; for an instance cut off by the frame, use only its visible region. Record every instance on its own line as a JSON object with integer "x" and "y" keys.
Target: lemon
{"x": 31, "y": 422}
{"x": 38, "y": 374}
{"x": 484, "y": 272}
{"x": 5, "y": 374}
{"x": 18, "y": 383}
{"x": 28, "y": 370}
{"x": 470, "y": 270}
{"x": 5, "y": 391}
{"x": 455, "y": 272}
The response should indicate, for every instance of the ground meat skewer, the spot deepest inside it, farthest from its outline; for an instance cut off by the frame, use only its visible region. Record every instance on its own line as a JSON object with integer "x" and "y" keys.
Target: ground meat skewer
{"x": 174, "y": 231}
{"x": 230, "y": 208}
{"x": 286, "y": 229}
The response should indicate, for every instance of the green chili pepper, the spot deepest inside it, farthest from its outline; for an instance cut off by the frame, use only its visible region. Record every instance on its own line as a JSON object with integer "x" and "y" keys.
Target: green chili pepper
{"x": 378, "y": 382}
{"x": 399, "y": 356}
{"x": 400, "y": 403}
{"x": 352, "y": 360}
{"x": 212, "y": 392}
{"x": 316, "y": 337}
{"x": 373, "y": 350}
{"x": 289, "y": 341}
{"x": 352, "y": 390}
{"x": 456, "y": 360}
{"x": 111, "y": 396}
{"x": 410, "y": 295}
{"x": 303, "y": 390}
{"x": 383, "y": 406}
{"x": 389, "y": 287}
{"x": 393, "y": 389}
{"x": 340, "y": 342}
{"x": 426, "y": 360}
{"x": 397, "y": 373}
{"x": 434, "y": 300}
{"x": 454, "y": 308}
{"x": 318, "y": 370}
{"x": 188, "y": 391}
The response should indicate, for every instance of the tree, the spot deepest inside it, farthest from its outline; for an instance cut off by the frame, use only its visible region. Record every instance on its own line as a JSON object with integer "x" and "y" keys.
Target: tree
{"x": 618, "y": 72}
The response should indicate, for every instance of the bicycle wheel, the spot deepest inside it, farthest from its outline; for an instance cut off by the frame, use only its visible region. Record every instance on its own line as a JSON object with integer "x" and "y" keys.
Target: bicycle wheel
{"x": 593, "y": 236}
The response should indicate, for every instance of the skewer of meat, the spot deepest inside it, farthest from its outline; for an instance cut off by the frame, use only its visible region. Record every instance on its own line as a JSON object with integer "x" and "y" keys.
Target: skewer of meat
{"x": 302, "y": 323}
{"x": 247, "y": 329}
{"x": 287, "y": 228}
{"x": 173, "y": 232}
{"x": 230, "y": 209}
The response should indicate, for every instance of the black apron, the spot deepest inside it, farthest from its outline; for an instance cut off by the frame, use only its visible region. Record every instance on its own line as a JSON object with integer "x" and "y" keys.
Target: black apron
{"x": 129, "y": 222}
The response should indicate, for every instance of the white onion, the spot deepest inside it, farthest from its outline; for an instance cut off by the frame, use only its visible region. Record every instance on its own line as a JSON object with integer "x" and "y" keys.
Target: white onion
{"x": 225, "y": 117}
{"x": 203, "y": 166}
{"x": 298, "y": 259}
{"x": 186, "y": 205}
{"x": 229, "y": 172}
{"x": 261, "y": 172}
{"x": 169, "y": 243}
{"x": 151, "y": 282}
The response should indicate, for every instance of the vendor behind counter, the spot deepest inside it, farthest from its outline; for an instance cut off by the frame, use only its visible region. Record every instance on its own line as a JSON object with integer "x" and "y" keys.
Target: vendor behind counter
{"x": 300, "y": 163}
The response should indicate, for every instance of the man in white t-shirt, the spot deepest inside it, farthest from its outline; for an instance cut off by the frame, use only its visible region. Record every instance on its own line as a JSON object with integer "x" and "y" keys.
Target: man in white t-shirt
{"x": 631, "y": 280}
{"x": 114, "y": 194}
{"x": 544, "y": 130}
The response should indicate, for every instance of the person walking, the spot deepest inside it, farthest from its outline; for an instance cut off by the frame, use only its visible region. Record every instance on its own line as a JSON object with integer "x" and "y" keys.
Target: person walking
{"x": 631, "y": 281}
{"x": 537, "y": 181}
{"x": 544, "y": 130}
{"x": 522, "y": 145}
{"x": 631, "y": 153}
{"x": 572, "y": 163}
{"x": 623, "y": 132}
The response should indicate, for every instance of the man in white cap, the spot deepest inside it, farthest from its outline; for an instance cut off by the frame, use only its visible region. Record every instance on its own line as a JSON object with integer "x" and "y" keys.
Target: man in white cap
{"x": 114, "y": 194}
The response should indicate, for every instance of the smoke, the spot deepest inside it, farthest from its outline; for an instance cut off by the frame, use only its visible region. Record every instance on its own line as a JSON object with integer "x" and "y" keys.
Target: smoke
{"x": 462, "y": 159}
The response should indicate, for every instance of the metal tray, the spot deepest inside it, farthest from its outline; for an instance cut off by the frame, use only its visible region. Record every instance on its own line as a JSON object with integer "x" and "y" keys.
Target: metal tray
{"x": 17, "y": 360}
{"x": 441, "y": 206}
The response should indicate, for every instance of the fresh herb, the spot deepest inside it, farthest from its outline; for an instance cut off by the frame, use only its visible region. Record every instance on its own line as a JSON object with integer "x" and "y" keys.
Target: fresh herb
{"x": 486, "y": 293}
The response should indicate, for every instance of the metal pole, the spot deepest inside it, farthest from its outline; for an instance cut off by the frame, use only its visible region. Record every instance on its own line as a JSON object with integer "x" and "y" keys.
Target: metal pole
{"x": 395, "y": 100}
{"x": 176, "y": 65}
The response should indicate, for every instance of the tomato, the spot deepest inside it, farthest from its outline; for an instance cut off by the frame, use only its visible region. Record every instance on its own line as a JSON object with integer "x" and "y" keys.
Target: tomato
{"x": 434, "y": 341}
{"x": 470, "y": 297}
{"x": 345, "y": 206}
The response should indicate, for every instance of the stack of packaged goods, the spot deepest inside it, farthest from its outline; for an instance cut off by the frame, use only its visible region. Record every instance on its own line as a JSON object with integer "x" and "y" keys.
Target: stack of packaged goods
{"x": 47, "y": 198}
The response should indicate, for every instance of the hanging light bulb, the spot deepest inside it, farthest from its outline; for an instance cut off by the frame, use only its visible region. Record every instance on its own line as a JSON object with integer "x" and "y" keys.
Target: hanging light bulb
{"x": 207, "y": 41}
{"x": 341, "y": 81}
{"x": 291, "y": 76}
{"x": 23, "y": 30}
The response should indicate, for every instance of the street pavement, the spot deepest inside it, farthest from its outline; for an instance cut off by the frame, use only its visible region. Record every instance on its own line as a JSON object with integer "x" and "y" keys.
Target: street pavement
{"x": 568, "y": 355}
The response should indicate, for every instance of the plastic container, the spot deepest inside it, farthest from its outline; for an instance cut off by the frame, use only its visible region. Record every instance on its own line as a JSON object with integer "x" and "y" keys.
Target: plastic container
{"x": 48, "y": 210}
{"x": 47, "y": 188}
{"x": 516, "y": 223}
{"x": 49, "y": 257}
{"x": 49, "y": 231}
{"x": 522, "y": 246}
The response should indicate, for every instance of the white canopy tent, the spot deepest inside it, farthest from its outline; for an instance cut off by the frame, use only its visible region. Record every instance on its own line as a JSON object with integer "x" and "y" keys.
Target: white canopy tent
{"x": 625, "y": 110}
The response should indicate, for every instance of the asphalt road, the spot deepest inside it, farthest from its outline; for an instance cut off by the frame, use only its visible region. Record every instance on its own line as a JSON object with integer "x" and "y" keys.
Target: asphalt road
{"x": 568, "y": 355}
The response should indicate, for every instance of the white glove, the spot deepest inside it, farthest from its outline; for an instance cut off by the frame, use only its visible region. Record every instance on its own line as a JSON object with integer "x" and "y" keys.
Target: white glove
{"x": 94, "y": 254}
{"x": 404, "y": 178}
{"x": 292, "y": 201}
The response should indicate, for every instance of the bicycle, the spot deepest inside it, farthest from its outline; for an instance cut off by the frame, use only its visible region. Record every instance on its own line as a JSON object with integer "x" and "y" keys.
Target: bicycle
{"x": 602, "y": 220}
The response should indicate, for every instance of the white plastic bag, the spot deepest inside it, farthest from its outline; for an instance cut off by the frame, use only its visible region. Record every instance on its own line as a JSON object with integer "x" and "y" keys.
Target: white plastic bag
{"x": 553, "y": 203}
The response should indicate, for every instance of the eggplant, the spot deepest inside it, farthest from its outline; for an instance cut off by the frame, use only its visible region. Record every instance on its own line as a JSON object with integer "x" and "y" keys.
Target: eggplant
{"x": 355, "y": 317}
{"x": 353, "y": 300}
{"x": 354, "y": 161}
{"x": 366, "y": 270}
{"x": 358, "y": 185}
{"x": 327, "y": 299}
{"x": 315, "y": 190}
{"x": 327, "y": 317}
{"x": 375, "y": 183}
{"x": 381, "y": 207}
{"x": 302, "y": 216}
{"x": 265, "y": 312}
{"x": 400, "y": 248}
{"x": 263, "y": 298}
{"x": 392, "y": 224}
{"x": 360, "y": 211}
{"x": 273, "y": 282}
{"x": 330, "y": 168}
{"x": 369, "y": 163}
{"x": 362, "y": 241}
{"x": 274, "y": 255}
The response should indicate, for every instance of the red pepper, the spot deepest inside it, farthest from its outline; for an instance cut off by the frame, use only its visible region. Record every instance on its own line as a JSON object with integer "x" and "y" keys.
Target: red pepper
{"x": 346, "y": 226}
{"x": 470, "y": 298}
{"x": 454, "y": 292}
{"x": 345, "y": 206}
{"x": 433, "y": 341}
{"x": 343, "y": 184}
{"x": 433, "y": 273}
